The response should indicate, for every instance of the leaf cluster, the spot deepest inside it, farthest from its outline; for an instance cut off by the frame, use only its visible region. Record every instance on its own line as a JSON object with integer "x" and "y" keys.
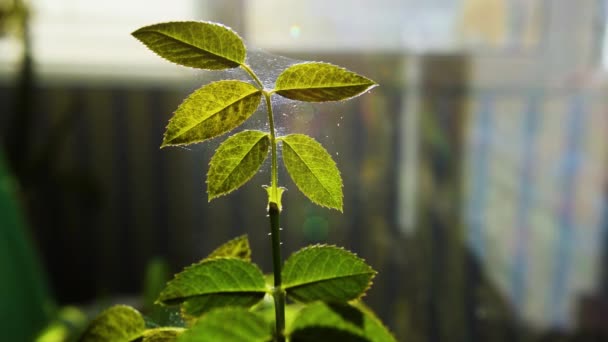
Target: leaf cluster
{"x": 225, "y": 297}
{"x": 220, "y": 107}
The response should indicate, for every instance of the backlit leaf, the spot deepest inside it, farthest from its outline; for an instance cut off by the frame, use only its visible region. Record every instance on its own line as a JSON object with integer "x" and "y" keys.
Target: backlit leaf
{"x": 326, "y": 273}
{"x": 313, "y": 170}
{"x": 202, "y": 45}
{"x": 236, "y": 161}
{"x": 220, "y": 279}
{"x": 337, "y": 322}
{"x": 212, "y": 110}
{"x": 119, "y": 323}
{"x": 235, "y": 248}
{"x": 320, "y": 82}
{"x": 229, "y": 325}
{"x": 168, "y": 334}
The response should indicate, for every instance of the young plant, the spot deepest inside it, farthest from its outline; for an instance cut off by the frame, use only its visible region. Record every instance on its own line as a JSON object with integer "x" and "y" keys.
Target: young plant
{"x": 225, "y": 297}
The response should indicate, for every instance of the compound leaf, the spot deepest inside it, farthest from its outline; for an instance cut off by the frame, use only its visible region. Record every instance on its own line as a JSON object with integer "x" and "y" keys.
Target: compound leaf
{"x": 202, "y": 45}
{"x": 326, "y": 273}
{"x": 213, "y": 283}
{"x": 212, "y": 110}
{"x": 229, "y": 325}
{"x": 235, "y": 248}
{"x": 236, "y": 161}
{"x": 313, "y": 170}
{"x": 320, "y": 82}
{"x": 337, "y": 322}
{"x": 119, "y": 323}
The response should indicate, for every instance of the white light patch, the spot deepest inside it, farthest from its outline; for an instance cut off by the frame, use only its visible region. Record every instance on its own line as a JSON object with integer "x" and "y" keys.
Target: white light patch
{"x": 294, "y": 31}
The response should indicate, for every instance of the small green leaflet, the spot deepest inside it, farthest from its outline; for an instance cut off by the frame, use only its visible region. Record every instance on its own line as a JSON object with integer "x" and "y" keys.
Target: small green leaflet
{"x": 337, "y": 322}
{"x": 235, "y": 248}
{"x": 213, "y": 283}
{"x": 212, "y": 110}
{"x": 167, "y": 334}
{"x": 229, "y": 325}
{"x": 119, "y": 323}
{"x": 202, "y": 45}
{"x": 313, "y": 170}
{"x": 236, "y": 161}
{"x": 326, "y": 273}
{"x": 320, "y": 82}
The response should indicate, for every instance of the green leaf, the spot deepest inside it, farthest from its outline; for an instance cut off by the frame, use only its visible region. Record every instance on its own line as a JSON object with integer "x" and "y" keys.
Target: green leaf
{"x": 194, "y": 308}
{"x": 320, "y": 82}
{"x": 313, "y": 170}
{"x": 236, "y": 161}
{"x": 326, "y": 273}
{"x": 337, "y": 322}
{"x": 213, "y": 283}
{"x": 235, "y": 248}
{"x": 202, "y": 45}
{"x": 119, "y": 323}
{"x": 229, "y": 325}
{"x": 212, "y": 110}
{"x": 165, "y": 334}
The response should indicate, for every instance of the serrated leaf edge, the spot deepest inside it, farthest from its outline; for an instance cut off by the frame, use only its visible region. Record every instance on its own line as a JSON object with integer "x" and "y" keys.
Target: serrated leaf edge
{"x": 340, "y": 209}
{"x": 194, "y": 21}
{"x": 363, "y": 293}
{"x": 371, "y": 314}
{"x": 166, "y": 144}
{"x": 371, "y": 84}
{"x": 266, "y": 135}
{"x": 178, "y": 275}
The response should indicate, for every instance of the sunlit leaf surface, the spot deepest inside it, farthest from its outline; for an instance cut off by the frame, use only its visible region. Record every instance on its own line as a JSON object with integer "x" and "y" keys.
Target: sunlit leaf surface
{"x": 119, "y": 323}
{"x": 211, "y": 111}
{"x": 313, "y": 170}
{"x": 320, "y": 82}
{"x": 326, "y": 273}
{"x": 202, "y": 45}
{"x": 236, "y": 161}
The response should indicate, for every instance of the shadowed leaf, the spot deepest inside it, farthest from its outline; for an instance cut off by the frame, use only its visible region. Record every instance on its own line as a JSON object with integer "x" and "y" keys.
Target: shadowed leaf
{"x": 202, "y": 45}
{"x": 194, "y": 308}
{"x": 236, "y": 161}
{"x": 313, "y": 170}
{"x": 337, "y": 322}
{"x": 229, "y": 325}
{"x": 213, "y": 283}
{"x": 212, "y": 110}
{"x": 320, "y": 82}
{"x": 326, "y": 273}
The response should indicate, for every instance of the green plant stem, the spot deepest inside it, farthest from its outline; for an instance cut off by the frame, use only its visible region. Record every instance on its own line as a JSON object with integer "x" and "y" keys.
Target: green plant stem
{"x": 273, "y": 144}
{"x": 274, "y": 210}
{"x": 278, "y": 293}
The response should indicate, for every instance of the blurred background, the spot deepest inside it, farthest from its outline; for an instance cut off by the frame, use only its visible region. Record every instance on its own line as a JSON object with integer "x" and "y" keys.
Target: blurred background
{"x": 475, "y": 176}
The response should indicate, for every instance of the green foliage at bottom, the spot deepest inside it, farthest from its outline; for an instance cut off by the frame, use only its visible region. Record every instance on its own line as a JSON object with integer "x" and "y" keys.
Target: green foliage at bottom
{"x": 222, "y": 314}
{"x": 322, "y": 321}
{"x": 119, "y": 323}
{"x": 229, "y": 325}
